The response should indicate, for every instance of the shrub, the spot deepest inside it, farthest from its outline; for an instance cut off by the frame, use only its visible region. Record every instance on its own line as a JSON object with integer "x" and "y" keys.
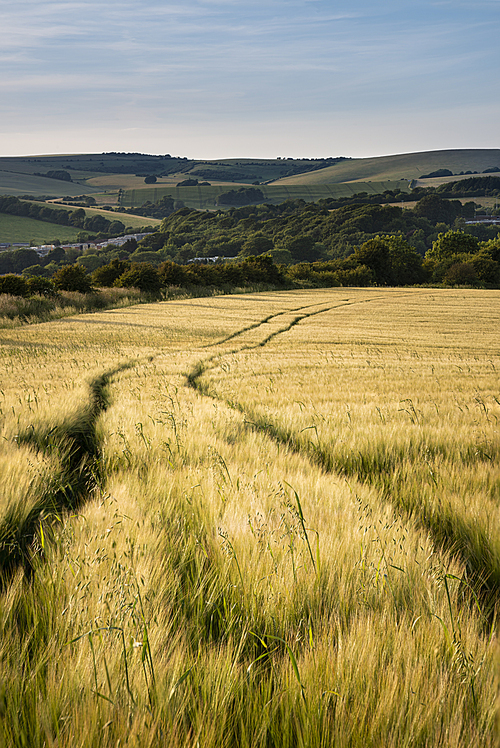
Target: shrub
{"x": 361, "y": 275}
{"x": 172, "y": 274}
{"x": 486, "y": 269}
{"x": 40, "y": 286}
{"x": 460, "y": 274}
{"x": 142, "y": 276}
{"x": 72, "y": 278}
{"x": 108, "y": 274}
{"x": 14, "y": 285}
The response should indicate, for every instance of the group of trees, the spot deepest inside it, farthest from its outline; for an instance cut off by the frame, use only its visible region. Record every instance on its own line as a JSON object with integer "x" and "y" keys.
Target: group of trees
{"x": 455, "y": 258}
{"x": 60, "y": 174}
{"x": 160, "y": 209}
{"x": 296, "y": 231}
{"x": 146, "y": 277}
{"x": 250, "y": 271}
{"x": 473, "y": 187}
{"x": 24, "y": 258}
{"x": 242, "y": 196}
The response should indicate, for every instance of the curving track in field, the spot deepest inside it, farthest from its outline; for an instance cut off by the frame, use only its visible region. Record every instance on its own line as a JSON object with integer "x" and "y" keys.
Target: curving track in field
{"x": 447, "y": 529}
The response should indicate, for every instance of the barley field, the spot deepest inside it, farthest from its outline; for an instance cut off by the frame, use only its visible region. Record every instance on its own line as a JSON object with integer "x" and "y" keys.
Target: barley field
{"x": 253, "y": 520}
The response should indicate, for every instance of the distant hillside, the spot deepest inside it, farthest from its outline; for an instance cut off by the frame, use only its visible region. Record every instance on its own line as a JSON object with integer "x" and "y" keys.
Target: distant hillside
{"x": 118, "y": 178}
{"x": 18, "y": 183}
{"x": 18, "y": 174}
{"x": 22, "y": 229}
{"x": 407, "y": 166}
{"x": 17, "y": 228}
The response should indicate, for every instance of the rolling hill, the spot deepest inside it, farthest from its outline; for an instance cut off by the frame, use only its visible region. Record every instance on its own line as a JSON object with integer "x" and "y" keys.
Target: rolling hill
{"x": 117, "y": 179}
{"x": 407, "y": 166}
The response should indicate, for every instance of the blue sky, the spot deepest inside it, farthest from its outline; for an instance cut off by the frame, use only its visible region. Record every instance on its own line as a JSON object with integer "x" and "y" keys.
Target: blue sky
{"x": 263, "y": 78}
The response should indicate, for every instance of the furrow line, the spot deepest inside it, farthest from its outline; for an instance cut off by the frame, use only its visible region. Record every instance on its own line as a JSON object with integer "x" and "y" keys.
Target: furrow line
{"x": 76, "y": 444}
{"x": 461, "y": 537}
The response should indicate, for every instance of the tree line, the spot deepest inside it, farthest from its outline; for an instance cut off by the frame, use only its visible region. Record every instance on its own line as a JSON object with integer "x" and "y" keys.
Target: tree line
{"x": 308, "y": 244}
{"x": 455, "y": 258}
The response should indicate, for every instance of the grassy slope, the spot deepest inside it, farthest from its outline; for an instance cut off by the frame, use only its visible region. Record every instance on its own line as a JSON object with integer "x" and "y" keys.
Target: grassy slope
{"x": 403, "y": 166}
{"x": 135, "y": 222}
{"x": 16, "y": 183}
{"x": 21, "y": 229}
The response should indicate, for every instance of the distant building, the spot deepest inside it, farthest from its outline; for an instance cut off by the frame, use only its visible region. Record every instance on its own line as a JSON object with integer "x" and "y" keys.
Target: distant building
{"x": 493, "y": 220}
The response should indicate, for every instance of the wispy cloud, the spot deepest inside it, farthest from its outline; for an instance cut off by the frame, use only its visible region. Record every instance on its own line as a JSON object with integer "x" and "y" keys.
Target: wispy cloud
{"x": 208, "y": 60}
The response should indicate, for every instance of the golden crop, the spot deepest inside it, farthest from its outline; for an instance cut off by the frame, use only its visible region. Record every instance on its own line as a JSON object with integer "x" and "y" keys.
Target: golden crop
{"x": 253, "y": 520}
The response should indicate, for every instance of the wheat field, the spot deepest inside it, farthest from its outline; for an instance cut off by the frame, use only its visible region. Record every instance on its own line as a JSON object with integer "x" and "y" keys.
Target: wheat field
{"x": 253, "y": 520}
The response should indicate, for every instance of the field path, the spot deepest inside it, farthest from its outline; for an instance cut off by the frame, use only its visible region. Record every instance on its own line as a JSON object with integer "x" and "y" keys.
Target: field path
{"x": 461, "y": 533}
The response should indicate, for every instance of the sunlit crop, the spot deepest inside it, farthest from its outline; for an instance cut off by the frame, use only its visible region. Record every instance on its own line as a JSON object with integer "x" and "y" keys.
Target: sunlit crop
{"x": 254, "y": 520}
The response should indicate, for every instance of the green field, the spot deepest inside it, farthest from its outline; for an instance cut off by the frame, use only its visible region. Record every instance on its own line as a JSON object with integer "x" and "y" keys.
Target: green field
{"x": 26, "y": 184}
{"x": 22, "y": 229}
{"x": 205, "y": 198}
{"x": 253, "y": 521}
{"x": 134, "y": 222}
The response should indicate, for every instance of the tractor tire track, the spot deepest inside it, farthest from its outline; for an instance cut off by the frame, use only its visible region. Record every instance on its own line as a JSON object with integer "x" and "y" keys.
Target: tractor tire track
{"x": 203, "y": 365}
{"x": 448, "y": 531}
{"x": 75, "y": 443}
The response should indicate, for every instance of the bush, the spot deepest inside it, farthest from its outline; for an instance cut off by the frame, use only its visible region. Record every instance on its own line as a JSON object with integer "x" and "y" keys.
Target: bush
{"x": 143, "y": 276}
{"x": 39, "y": 286}
{"x": 72, "y": 278}
{"x": 460, "y": 274}
{"x": 357, "y": 276}
{"x": 14, "y": 285}
{"x": 486, "y": 269}
{"x": 172, "y": 274}
{"x": 108, "y": 274}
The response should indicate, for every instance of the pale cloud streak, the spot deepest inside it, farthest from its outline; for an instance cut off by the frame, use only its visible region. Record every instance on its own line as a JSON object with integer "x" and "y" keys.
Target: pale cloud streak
{"x": 214, "y": 61}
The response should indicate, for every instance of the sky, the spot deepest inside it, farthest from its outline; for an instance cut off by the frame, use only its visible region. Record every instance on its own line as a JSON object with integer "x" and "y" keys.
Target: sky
{"x": 209, "y": 79}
